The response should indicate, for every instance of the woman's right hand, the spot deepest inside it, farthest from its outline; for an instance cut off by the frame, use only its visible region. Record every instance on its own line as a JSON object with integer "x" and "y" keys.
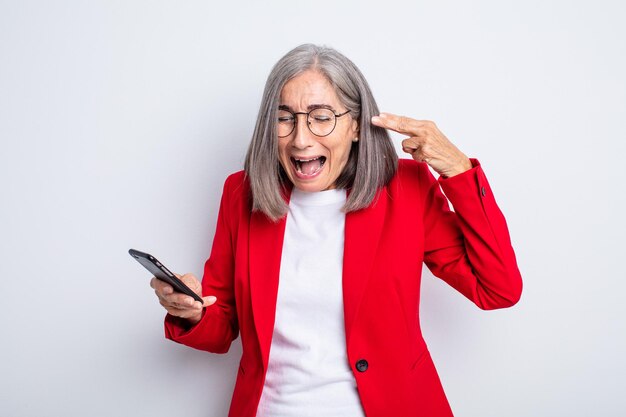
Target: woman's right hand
{"x": 181, "y": 305}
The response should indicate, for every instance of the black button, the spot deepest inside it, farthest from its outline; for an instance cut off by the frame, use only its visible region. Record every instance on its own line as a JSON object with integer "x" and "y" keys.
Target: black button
{"x": 361, "y": 365}
{"x": 483, "y": 191}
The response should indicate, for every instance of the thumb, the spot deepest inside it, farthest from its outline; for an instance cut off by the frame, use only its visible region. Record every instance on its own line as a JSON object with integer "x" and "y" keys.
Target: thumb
{"x": 208, "y": 300}
{"x": 410, "y": 144}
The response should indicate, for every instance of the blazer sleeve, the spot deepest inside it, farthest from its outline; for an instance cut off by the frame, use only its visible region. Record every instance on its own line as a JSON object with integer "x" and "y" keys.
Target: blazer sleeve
{"x": 218, "y": 326}
{"x": 470, "y": 247}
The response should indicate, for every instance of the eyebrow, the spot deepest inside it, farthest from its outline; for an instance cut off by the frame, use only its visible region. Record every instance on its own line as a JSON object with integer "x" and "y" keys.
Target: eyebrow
{"x": 309, "y": 108}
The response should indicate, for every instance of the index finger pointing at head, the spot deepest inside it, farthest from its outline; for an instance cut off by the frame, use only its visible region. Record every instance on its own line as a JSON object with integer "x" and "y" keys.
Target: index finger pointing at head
{"x": 400, "y": 124}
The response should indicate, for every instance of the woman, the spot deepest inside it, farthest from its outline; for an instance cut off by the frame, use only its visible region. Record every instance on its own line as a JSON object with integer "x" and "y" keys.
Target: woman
{"x": 326, "y": 209}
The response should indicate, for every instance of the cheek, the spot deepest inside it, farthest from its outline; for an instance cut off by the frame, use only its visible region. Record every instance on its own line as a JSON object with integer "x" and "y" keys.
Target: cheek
{"x": 282, "y": 163}
{"x": 341, "y": 154}
{"x": 282, "y": 152}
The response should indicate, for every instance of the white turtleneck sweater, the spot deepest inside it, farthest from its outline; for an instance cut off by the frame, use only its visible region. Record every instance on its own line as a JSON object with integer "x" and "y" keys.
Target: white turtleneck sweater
{"x": 308, "y": 372}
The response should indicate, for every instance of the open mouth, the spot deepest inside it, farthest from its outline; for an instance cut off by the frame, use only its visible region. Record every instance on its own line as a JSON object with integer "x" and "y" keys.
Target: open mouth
{"x": 308, "y": 167}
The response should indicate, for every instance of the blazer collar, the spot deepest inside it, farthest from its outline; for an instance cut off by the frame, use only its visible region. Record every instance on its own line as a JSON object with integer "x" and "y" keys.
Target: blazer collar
{"x": 362, "y": 234}
{"x": 265, "y": 251}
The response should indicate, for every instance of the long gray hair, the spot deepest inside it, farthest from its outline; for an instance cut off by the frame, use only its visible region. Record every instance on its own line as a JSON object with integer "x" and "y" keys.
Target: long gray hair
{"x": 372, "y": 161}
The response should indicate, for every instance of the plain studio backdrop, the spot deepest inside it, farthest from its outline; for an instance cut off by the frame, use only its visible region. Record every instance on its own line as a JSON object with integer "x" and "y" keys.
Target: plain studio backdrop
{"x": 120, "y": 120}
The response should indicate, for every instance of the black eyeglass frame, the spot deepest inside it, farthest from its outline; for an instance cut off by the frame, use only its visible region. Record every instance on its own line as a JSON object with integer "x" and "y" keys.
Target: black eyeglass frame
{"x": 308, "y": 124}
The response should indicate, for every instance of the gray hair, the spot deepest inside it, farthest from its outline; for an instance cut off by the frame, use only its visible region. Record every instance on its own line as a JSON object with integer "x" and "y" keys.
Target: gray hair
{"x": 372, "y": 161}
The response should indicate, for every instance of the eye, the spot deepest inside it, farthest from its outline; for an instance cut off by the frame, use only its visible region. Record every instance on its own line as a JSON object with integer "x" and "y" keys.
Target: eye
{"x": 322, "y": 116}
{"x": 285, "y": 117}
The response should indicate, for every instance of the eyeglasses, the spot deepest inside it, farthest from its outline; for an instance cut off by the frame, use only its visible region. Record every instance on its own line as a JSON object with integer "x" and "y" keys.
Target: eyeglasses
{"x": 321, "y": 121}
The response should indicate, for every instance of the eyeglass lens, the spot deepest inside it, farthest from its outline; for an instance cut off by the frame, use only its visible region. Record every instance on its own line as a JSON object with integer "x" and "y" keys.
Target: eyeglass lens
{"x": 321, "y": 122}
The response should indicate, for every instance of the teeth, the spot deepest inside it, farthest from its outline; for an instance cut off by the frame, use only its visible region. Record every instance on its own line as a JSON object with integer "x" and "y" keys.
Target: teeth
{"x": 298, "y": 163}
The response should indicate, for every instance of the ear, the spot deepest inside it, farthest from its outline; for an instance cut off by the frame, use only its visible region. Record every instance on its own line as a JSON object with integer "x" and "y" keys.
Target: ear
{"x": 354, "y": 128}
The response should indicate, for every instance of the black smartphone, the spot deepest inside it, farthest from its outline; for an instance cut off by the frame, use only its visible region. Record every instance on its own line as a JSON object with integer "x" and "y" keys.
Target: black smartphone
{"x": 161, "y": 272}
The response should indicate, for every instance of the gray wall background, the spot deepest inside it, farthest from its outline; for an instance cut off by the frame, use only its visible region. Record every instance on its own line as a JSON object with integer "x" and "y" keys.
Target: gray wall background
{"x": 119, "y": 121}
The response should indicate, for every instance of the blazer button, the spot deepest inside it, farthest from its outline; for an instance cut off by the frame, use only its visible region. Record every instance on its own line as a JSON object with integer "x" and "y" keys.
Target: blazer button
{"x": 483, "y": 191}
{"x": 361, "y": 365}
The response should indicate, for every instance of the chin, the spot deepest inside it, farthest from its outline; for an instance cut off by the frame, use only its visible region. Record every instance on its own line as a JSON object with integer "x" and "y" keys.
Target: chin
{"x": 310, "y": 186}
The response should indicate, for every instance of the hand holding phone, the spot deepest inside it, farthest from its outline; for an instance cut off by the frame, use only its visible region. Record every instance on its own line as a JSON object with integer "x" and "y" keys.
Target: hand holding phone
{"x": 162, "y": 273}
{"x": 172, "y": 292}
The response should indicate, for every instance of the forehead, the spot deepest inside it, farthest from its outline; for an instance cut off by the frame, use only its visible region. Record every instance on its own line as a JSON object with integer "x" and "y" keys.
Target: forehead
{"x": 308, "y": 88}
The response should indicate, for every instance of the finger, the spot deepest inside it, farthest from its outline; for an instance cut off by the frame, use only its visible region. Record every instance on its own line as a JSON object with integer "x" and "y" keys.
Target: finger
{"x": 189, "y": 279}
{"x": 412, "y": 144}
{"x": 400, "y": 124}
{"x": 183, "y": 313}
{"x": 178, "y": 300}
{"x": 208, "y": 300}
{"x": 416, "y": 149}
{"x": 161, "y": 287}
{"x": 182, "y": 310}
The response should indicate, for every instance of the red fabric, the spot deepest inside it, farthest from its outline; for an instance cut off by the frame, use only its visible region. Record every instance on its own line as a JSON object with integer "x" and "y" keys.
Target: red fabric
{"x": 385, "y": 245}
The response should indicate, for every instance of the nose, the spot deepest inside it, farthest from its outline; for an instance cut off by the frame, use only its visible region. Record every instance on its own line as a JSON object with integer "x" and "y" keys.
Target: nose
{"x": 302, "y": 136}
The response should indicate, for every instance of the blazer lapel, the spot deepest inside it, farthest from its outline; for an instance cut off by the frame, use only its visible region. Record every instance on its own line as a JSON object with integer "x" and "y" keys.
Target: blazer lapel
{"x": 362, "y": 234}
{"x": 265, "y": 250}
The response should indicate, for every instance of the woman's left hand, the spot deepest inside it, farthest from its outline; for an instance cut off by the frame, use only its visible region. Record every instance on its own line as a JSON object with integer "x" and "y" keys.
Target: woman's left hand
{"x": 426, "y": 143}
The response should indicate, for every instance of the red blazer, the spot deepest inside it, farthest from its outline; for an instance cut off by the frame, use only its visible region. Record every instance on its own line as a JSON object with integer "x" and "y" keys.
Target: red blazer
{"x": 385, "y": 245}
